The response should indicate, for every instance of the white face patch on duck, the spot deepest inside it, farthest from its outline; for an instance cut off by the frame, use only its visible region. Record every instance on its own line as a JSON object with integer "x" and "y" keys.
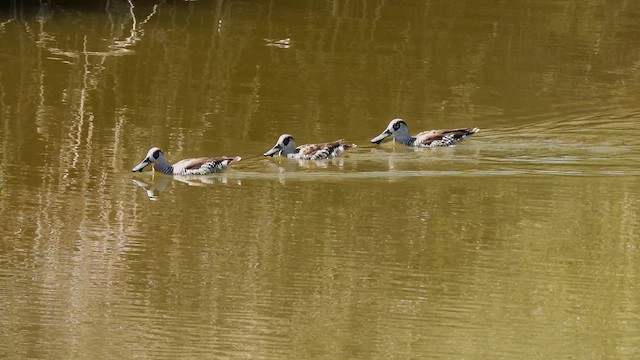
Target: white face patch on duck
{"x": 398, "y": 128}
{"x": 154, "y": 155}
{"x": 284, "y": 146}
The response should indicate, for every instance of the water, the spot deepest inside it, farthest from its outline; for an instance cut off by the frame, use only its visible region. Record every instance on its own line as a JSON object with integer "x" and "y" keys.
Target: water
{"x": 519, "y": 243}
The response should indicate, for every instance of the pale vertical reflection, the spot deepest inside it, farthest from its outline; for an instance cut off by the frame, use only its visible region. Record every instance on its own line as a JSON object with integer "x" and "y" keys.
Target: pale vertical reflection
{"x": 136, "y": 32}
{"x": 107, "y": 6}
{"x": 118, "y": 132}
{"x": 42, "y": 39}
{"x": 215, "y": 54}
{"x": 41, "y": 107}
{"x": 76, "y": 133}
{"x": 3, "y": 24}
{"x": 4, "y": 154}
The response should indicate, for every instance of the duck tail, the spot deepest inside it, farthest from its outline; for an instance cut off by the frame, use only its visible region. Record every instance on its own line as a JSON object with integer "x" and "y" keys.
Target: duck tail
{"x": 230, "y": 160}
{"x": 346, "y": 145}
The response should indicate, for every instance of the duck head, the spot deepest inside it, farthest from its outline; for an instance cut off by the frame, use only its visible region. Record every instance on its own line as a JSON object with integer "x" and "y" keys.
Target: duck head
{"x": 285, "y": 145}
{"x": 154, "y": 155}
{"x": 398, "y": 128}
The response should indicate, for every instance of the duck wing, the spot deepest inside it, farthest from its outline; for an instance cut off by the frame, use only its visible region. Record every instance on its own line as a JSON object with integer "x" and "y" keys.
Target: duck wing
{"x": 323, "y": 150}
{"x": 433, "y": 138}
{"x": 197, "y": 163}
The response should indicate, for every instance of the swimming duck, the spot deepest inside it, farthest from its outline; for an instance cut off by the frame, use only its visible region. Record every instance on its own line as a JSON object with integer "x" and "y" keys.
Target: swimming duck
{"x": 194, "y": 166}
{"x": 432, "y": 138}
{"x": 286, "y": 146}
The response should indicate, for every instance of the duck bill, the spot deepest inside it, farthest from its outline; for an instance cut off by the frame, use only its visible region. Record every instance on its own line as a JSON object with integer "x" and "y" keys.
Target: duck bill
{"x": 274, "y": 150}
{"x": 378, "y": 139}
{"x": 141, "y": 166}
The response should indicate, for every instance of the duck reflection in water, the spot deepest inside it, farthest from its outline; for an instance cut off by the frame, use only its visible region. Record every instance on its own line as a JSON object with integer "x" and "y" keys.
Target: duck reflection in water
{"x": 159, "y": 183}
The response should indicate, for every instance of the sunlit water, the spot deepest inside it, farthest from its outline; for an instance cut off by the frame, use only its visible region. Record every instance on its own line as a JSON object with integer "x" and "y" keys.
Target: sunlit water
{"x": 519, "y": 243}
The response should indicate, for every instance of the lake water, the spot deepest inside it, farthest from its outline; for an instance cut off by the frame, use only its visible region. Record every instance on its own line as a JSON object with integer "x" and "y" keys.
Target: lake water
{"x": 520, "y": 243}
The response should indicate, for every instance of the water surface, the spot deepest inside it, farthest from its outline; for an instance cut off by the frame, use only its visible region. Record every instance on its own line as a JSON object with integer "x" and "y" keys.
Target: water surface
{"x": 519, "y": 243}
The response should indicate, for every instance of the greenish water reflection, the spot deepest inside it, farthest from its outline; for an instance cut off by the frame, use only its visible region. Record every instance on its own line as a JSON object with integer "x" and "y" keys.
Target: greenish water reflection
{"x": 519, "y": 243}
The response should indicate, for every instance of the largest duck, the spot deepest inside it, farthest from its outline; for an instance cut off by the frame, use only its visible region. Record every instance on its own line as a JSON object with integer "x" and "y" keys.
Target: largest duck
{"x": 432, "y": 138}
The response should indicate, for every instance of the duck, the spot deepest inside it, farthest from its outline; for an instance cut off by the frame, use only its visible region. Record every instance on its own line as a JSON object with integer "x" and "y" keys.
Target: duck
{"x": 431, "y": 138}
{"x": 286, "y": 146}
{"x": 193, "y": 166}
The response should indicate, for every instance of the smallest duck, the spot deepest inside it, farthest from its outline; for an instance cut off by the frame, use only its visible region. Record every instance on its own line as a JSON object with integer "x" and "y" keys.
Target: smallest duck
{"x": 193, "y": 166}
{"x": 432, "y": 138}
{"x": 286, "y": 146}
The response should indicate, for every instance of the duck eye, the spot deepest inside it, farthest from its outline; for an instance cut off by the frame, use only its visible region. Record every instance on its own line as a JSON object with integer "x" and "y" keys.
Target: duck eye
{"x": 286, "y": 141}
{"x": 156, "y": 154}
{"x": 396, "y": 126}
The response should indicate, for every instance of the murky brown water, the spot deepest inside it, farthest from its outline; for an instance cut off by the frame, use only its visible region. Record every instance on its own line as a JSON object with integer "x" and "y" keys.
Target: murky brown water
{"x": 520, "y": 243}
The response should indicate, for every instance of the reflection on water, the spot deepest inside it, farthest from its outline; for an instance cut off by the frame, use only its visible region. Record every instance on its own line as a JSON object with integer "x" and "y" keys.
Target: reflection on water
{"x": 158, "y": 183}
{"x": 520, "y": 242}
